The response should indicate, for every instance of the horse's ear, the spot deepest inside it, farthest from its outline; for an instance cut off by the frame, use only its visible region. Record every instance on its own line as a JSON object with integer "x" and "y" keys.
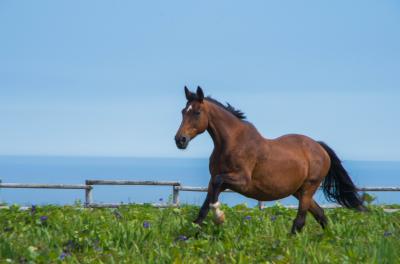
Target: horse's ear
{"x": 188, "y": 94}
{"x": 199, "y": 94}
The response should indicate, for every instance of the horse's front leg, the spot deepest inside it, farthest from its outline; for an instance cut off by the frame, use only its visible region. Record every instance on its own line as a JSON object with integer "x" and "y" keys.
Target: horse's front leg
{"x": 213, "y": 189}
{"x": 205, "y": 208}
{"x": 218, "y": 185}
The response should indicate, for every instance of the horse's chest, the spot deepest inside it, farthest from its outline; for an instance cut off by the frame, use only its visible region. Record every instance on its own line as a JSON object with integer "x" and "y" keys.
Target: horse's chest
{"x": 225, "y": 163}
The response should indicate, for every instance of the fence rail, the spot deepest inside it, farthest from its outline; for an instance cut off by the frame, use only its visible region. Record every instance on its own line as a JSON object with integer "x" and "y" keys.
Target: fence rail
{"x": 124, "y": 182}
{"x": 44, "y": 186}
{"x": 176, "y": 189}
{"x": 379, "y": 189}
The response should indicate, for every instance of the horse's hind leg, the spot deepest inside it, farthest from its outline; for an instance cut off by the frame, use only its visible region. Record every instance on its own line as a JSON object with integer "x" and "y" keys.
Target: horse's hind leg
{"x": 304, "y": 205}
{"x": 315, "y": 210}
{"x": 318, "y": 214}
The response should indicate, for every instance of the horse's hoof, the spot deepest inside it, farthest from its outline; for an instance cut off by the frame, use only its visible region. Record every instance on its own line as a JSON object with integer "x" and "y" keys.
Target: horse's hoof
{"x": 197, "y": 222}
{"x": 220, "y": 218}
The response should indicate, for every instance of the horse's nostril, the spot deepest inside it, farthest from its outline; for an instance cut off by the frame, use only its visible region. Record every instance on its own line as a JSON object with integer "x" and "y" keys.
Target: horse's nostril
{"x": 183, "y": 139}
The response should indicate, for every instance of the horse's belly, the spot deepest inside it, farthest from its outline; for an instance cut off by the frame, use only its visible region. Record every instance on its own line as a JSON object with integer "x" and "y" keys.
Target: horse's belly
{"x": 266, "y": 192}
{"x": 264, "y": 195}
{"x": 278, "y": 179}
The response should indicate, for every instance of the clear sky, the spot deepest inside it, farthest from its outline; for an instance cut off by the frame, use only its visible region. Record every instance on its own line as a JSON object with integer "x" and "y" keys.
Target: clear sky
{"x": 106, "y": 77}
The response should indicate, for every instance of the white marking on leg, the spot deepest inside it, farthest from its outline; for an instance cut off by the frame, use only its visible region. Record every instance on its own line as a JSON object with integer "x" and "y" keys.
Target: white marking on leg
{"x": 219, "y": 215}
{"x": 215, "y": 205}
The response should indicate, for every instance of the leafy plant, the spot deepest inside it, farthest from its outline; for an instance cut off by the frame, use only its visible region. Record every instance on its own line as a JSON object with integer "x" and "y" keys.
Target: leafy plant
{"x": 143, "y": 234}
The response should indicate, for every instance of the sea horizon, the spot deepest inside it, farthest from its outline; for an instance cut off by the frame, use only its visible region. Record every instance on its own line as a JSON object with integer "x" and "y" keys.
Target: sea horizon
{"x": 149, "y": 157}
{"x": 189, "y": 171}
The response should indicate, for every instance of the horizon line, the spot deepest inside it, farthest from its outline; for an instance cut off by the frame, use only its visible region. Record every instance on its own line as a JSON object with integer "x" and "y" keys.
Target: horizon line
{"x": 145, "y": 157}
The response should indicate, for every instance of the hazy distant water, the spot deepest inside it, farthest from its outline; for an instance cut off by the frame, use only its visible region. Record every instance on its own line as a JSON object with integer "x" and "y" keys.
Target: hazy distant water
{"x": 193, "y": 172}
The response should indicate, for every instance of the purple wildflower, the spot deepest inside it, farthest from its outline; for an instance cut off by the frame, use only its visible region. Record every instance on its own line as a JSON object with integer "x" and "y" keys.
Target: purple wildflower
{"x": 146, "y": 224}
{"x": 63, "y": 255}
{"x": 387, "y": 233}
{"x": 44, "y": 218}
{"x": 69, "y": 246}
{"x": 182, "y": 238}
{"x": 273, "y": 218}
{"x": 248, "y": 217}
{"x": 33, "y": 209}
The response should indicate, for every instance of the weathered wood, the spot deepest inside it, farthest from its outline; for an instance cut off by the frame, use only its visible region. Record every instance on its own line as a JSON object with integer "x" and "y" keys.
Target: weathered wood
{"x": 116, "y": 205}
{"x": 192, "y": 189}
{"x": 176, "y": 188}
{"x": 196, "y": 189}
{"x": 123, "y": 182}
{"x": 293, "y": 207}
{"x": 324, "y": 206}
{"x": 175, "y": 195}
{"x": 44, "y": 186}
{"x": 379, "y": 189}
{"x": 88, "y": 197}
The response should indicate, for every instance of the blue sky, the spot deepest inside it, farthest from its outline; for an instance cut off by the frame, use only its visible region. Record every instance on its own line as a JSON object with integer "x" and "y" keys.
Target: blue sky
{"x": 106, "y": 78}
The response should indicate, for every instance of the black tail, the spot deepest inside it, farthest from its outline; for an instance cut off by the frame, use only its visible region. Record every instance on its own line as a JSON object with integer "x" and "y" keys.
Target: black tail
{"x": 337, "y": 185}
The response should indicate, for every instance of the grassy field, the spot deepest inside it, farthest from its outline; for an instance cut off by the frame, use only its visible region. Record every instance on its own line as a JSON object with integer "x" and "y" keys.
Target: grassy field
{"x": 142, "y": 234}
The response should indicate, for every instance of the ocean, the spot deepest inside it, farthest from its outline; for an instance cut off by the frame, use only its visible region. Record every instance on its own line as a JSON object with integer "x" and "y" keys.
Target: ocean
{"x": 191, "y": 172}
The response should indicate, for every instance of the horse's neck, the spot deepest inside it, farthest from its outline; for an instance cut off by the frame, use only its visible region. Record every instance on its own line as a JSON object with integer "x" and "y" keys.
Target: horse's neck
{"x": 223, "y": 127}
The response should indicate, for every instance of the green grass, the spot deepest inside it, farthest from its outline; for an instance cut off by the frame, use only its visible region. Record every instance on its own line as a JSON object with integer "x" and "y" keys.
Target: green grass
{"x": 142, "y": 234}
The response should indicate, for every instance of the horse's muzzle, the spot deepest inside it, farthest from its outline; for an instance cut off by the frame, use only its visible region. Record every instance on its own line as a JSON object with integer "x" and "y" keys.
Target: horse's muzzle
{"x": 182, "y": 141}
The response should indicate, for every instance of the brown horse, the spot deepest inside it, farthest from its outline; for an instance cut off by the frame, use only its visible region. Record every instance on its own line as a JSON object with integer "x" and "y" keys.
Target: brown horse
{"x": 263, "y": 169}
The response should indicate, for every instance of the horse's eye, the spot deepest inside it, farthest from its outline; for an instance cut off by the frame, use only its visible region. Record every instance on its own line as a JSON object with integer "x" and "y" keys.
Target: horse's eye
{"x": 197, "y": 113}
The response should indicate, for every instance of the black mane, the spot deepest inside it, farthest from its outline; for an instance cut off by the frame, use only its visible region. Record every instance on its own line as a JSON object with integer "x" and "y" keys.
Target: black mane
{"x": 236, "y": 112}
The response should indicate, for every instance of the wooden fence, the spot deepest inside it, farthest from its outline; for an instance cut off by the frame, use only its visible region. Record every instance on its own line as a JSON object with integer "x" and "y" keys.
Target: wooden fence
{"x": 176, "y": 188}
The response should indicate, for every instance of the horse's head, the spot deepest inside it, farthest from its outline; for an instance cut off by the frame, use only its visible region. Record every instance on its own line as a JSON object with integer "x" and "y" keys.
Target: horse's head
{"x": 194, "y": 118}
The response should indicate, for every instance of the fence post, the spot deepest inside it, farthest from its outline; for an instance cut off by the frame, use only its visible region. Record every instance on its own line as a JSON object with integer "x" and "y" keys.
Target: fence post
{"x": 88, "y": 194}
{"x": 175, "y": 195}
